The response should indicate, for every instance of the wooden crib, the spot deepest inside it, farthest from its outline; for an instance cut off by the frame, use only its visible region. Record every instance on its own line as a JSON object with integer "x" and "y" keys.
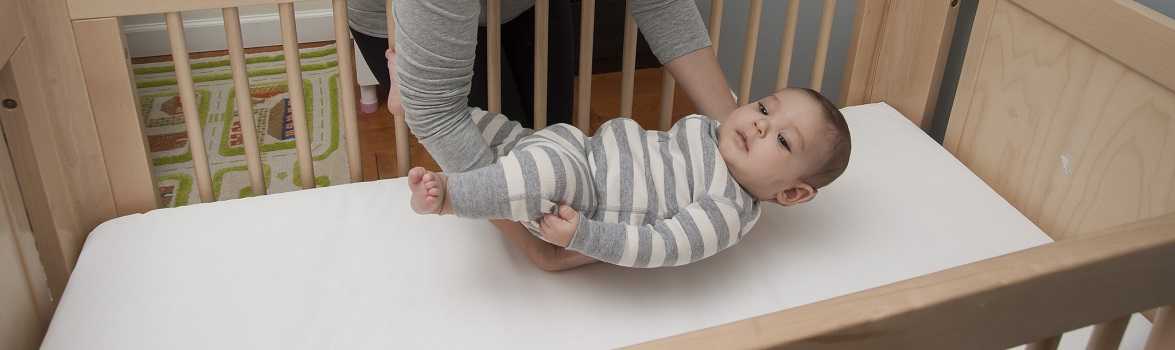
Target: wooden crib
{"x": 1087, "y": 82}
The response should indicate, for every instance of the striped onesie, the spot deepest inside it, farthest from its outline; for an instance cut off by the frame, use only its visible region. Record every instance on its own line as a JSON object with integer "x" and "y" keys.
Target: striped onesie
{"x": 646, "y": 198}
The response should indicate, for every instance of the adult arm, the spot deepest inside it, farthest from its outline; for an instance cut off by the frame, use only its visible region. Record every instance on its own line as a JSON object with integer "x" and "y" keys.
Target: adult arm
{"x": 435, "y": 51}
{"x": 678, "y": 37}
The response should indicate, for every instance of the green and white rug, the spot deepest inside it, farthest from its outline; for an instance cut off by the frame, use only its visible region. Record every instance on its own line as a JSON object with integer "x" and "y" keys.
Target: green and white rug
{"x": 164, "y": 124}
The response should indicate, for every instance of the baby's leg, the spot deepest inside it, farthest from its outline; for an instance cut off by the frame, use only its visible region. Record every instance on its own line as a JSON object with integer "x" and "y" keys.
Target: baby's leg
{"x": 544, "y": 170}
{"x": 499, "y": 132}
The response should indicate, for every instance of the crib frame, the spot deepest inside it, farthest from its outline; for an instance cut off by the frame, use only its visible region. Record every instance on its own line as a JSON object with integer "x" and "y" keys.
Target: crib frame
{"x": 1122, "y": 262}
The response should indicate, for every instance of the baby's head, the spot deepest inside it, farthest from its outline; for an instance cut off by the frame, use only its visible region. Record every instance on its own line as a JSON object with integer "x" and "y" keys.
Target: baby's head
{"x": 786, "y": 146}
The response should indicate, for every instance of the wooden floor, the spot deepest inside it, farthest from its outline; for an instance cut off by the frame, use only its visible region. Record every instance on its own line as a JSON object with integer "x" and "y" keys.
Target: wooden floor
{"x": 377, "y": 132}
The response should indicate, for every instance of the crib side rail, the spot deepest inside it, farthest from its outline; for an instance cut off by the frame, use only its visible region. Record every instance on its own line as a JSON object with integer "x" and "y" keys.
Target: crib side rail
{"x": 992, "y": 304}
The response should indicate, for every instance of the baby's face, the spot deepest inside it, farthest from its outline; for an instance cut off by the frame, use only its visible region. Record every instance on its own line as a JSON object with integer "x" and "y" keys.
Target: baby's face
{"x": 769, "y": 145}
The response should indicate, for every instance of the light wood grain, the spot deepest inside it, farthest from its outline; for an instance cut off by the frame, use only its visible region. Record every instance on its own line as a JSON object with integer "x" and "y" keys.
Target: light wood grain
{"x": 82, "y": 9}
{"x": 1068, "y": 135}
{"x": 346, "y": 55}
{"x": 1163, "y": 330}
{"x": 38, "y": 170}
{"x": 244, "y": 98}
{"x": 1108, "y": 335}
{"x": 1135, "y": 35}
{"x": 868, "y": 22}
{"x": 821, "y": 59}
{"x": 716, "y": 9}
{"x": 68, "y": 154}
{"x": 628, "y": 64}
{"x": 542, "y": 10}
{"x": 187, "y": 94}
{"x": 587, "y": 17}
{"x": 494, "y": 55}
{"x": 788, "y": 44}
{"x": 899, "y": 54}
{"x": 116, "y": 114}
{"x": 667, "y": 87}
{"x": 296, "y": 94}
{"x": 24, "y": 294}
{"x": 11, "y": 31}
{"x": 1014, "y": 299}
{"x": 754, "y": 14}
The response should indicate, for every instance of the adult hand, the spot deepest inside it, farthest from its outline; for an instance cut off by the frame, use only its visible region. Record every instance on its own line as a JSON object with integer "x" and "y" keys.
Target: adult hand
{"x": 559, "y": 228}
{"x": 394, "y": 104}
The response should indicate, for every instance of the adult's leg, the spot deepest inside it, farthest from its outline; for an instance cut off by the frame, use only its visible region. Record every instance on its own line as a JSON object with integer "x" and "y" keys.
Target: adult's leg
{"x": 561, "y": 63}
{"x": 560, "y": 60}
{"x": 373, "y": 48}
{"x": 512, "y": 105}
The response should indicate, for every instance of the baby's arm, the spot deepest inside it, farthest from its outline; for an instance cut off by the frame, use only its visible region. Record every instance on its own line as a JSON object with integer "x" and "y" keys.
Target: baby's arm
{"x": 696, "y": 232}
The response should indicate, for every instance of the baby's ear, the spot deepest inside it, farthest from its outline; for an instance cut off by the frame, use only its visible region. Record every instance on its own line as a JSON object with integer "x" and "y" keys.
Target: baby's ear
{"x": 798, "y": 194}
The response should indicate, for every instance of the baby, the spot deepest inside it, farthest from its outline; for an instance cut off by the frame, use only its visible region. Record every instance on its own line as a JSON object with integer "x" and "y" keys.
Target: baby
{"x": 641, "y": 198}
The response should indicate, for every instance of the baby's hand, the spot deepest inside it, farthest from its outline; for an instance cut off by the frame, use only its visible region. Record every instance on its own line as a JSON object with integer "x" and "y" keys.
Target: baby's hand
{"x": 558, "y": 229}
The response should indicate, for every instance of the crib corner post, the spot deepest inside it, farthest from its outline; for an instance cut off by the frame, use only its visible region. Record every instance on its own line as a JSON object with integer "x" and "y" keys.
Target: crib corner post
{"x": 106, "y": 66}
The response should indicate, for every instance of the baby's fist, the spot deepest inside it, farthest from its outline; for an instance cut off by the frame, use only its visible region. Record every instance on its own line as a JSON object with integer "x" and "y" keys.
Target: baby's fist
{"x": 559, "y": 229}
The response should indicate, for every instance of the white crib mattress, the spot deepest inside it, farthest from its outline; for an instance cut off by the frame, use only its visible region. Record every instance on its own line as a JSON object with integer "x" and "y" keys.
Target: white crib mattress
{"x": 352, "y": 267}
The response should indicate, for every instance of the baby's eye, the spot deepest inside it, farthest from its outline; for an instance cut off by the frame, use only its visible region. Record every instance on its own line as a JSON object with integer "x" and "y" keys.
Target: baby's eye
{"x": 783, "y": 141}
{"x": 762, "y": 109}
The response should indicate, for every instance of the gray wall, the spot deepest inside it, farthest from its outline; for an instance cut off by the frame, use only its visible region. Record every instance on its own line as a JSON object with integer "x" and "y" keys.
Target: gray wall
{"x": 733, "y": 41}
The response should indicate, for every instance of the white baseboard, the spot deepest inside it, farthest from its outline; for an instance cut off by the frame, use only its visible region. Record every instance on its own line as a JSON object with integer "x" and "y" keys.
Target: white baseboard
{"x": 150, "y": 39}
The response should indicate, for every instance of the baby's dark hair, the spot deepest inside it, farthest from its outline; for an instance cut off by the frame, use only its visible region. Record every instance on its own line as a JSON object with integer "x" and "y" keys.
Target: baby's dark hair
{"x": 838, "y": 157}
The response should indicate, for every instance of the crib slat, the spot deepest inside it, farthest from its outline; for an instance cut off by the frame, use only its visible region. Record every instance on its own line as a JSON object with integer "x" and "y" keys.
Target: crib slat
{"x": 822, "y": 44}
{"x": 753, "y": 16}
{"x": 494, "y": 55}
{"x": 667, "y": 84}
{"x": 787, "y": 47}
{"x": 345, "y": 51}
{"x": 403, "y": 160}
{"x": 236, "y": 52}
{"x": 1049, "y": 343}
{"x": 295, "y": 93}
{"x": 716, "y": 7}
{"x": 1107, "y": 336}
{"x": 183, "y": 78}
{"x": 628, "y": 65}
{"x": 586, "y": 26}
{"x": 542, "y": 12}
{"x": 1162, "y": 330}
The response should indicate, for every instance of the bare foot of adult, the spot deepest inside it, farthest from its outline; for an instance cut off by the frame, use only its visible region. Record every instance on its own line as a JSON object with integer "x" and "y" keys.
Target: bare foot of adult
{"x": 428, "y": 191}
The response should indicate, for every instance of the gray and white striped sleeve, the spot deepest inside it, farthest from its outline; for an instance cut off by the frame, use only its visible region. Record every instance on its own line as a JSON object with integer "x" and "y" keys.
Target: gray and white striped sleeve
{"x": 654, "y": 245}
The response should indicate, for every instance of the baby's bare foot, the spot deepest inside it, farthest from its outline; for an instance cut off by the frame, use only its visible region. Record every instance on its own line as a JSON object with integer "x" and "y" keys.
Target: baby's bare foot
{"x": 428, "y": 190}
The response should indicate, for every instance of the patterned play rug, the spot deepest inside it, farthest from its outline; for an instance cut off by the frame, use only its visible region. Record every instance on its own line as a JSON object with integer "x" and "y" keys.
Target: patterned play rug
{"x": 164, "y": 124}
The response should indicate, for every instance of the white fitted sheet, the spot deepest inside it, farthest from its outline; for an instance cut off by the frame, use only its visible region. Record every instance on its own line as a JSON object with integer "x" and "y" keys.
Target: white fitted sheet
{"x": 352, "y": 267}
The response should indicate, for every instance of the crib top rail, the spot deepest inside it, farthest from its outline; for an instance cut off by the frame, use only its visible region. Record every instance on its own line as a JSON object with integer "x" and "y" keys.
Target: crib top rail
{"x": 84, "y": 9}
{"x": 991, "y": 304}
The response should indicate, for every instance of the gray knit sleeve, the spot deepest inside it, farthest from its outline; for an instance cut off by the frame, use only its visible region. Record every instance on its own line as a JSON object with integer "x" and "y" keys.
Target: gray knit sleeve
{"x": 673, "y": 28}
{"x": 435, "y": 43}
